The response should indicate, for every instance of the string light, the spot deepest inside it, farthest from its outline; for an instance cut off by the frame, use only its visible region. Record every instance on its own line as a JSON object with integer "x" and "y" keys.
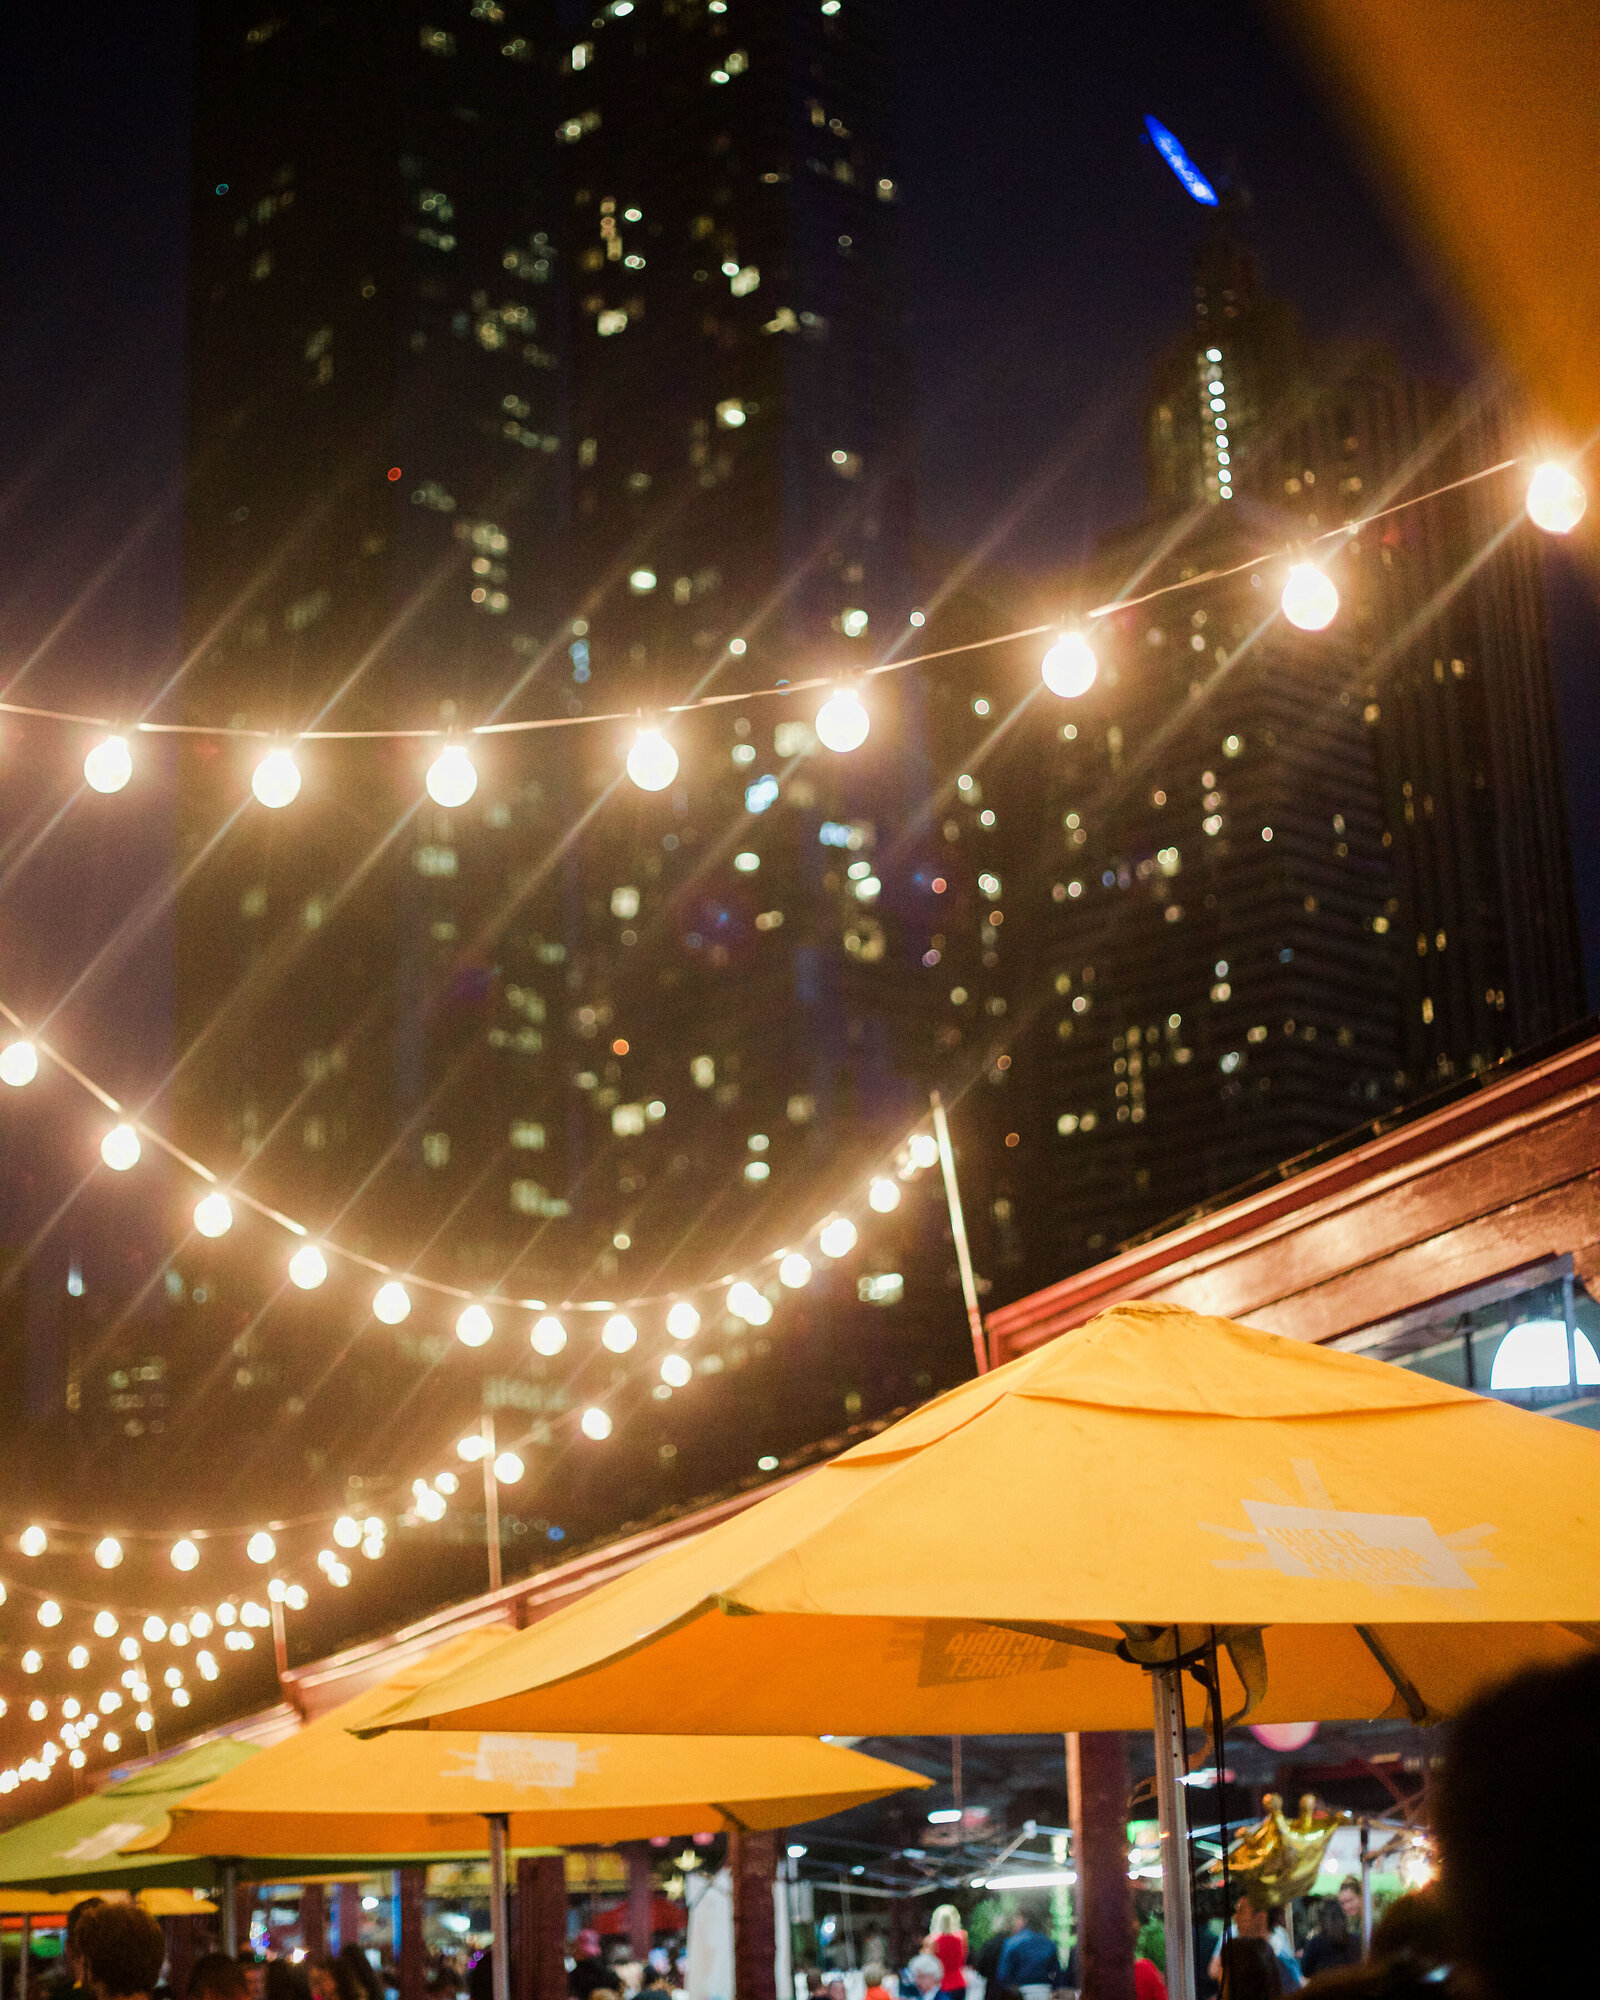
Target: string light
{"x": 746, "y": 1303}
{"x": 547, "y": 1336}
{"x": 619, "y": 1333}
{"x": 78, "y": 1658}
{"x": 1310, "y": 600}
{"x": 213, "y": 1214}
{"x": 923, "y": 1149}
{"x": 452, "y": 777}
{"x": 594, "y": 1423}
{"x": 1556, "y": 500}
{"x": 19, "y": 1064}
{"x": 33, "y": 1541}
{"x": 108, "y": 1552}
{"x": 837, "y": 1237}
{"x": 683, "y": 1322}
{"x": 675, "y": 1371}
{"x": 347, "y": 1530}
{"x": 109, "y": 765}
{"x": 49, "y": 1613}
{"x": 308, "y": 1268}
{"x": 391, "y": 1302}
{"x": 276, "y": 780}
{"x": 794, "y": 1270}
{"x": 842, "y": 723}
{"x": 105, "y": 1624}
{"x": 472, "y": 1447}
{"x": 508, "y": 1468}
{"x": 120, "y": 1148}
{"x": 155, "y": 1629}
{"x": 184, "y": 1554}
{"x": 473, "y": 1326}
{"x": 261, "y": 1548}
{"x": 652, "y": 761}
{"x": 1069, "y": 668}
{"x": 883, "y": 1197}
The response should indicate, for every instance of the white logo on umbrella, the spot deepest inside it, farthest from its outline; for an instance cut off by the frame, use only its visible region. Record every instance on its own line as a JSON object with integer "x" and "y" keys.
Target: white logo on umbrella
{"x": 109, "y": 1840}
{"x": 527, "y": 1763}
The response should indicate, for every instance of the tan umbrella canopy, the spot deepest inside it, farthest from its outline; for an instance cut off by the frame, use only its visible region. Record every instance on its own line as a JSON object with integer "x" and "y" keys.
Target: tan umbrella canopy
{"x": 1032, "y": 1550}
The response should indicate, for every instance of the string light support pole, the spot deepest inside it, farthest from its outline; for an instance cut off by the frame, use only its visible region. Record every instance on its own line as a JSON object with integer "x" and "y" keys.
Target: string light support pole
{"x": 500, "y": 1966}
{"x": 280, "y": 1638}
{"x": 958, "y": 1229}
{"x": 22, "y": 1965}
{"x": 491, "y": 1514}
{"x": 230, "y": 1908}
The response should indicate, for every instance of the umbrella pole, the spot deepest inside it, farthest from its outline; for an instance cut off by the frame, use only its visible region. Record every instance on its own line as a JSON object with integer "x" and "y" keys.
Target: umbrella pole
{"x": 501, "y": 1962}
{"x": 27, "y": 1952}
{"x": 1172, "y": 1760}
{"x": 230, "y": 1909}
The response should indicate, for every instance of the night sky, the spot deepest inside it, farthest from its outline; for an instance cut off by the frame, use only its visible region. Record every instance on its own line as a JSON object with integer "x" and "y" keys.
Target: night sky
{"x": 1047, "y": 252}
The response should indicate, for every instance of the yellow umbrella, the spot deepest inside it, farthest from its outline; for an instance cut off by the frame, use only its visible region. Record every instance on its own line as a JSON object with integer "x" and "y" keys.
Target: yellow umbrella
{"x": 157, "y": 1902}
{"x": 324, "y": 1792}
{"x": 1023, "y": 1552}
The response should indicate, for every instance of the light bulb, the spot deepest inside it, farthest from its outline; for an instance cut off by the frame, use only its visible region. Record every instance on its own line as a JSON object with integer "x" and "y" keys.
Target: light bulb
{"x": 652, "y": 762}
{"x": 33, "y": 1541}
{"x": 675, "y": 1371}
{"x": 842, "y": 723}
{"x": 1309, "y": 598}
{"x": 155, "y": 1629}
{"x": 452, "y": 777}
{"x": 391, "y": 1302}
{"x": 49, "y": 1612}
{"x": 619, "y": 1333}
{"x": 145, "y": 1720}
{"x": 794, "y": 1270}
{"x": 746, "y": 1303}
{"x": 548, "y": 1336}
{"x": 683, "y": 1322}
{"x": 347, "y": 1531}
{"x": 105, "y": 1624}
{"x": 112, "y": 1741}
{"x": 837, "y": 1237}
{"x": 19, "y": 1064}
{"x": 78, "y": 1658}
{"x": 277, "y": 1590}
{"x": 473, "y": 1326}
{"x": 120, "y": 1148}
{"x": 213, "y": 1214}
{"x": 276, "y": 779}
{"x": 1556, "y": 499}
{"x": 200, "y": 1624}
{"x": 1069, "y": 668}
{"x": 446, "y": 1482}
{"x": 508, "y": 1468}
{"x": 108, "y": 1552}
{"x": 108, "y": 766}
{"x": 472, "y": 1447}
{"x": 924, "y": 1148}
{"x": 594, "y": 1423}
{"x": 883, "y": 1196}
{"x": 308, "y": 1267}
{"x": 296, "y": 1597}
{"x": 184, "y": 1554}
{"x": 128, "y": 1648}
{"x": 261, "y": 1548}
{"x": 32, "y": 1660}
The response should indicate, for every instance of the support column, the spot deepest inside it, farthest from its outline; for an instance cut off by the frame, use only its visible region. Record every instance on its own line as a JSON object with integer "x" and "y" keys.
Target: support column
{"x": 349, "y": 1914}
{"x": 244, "y": 1903}
{"x": 752, "y": 1862}
{"x": 180, "y": 1950}
{"x": 411, "y": 1961}
{"x": 540, "y": 1957}
{"x": 641, "y": 1899}
{"x": 1097, "y": 1791}
{"x": 313, "y": 1920}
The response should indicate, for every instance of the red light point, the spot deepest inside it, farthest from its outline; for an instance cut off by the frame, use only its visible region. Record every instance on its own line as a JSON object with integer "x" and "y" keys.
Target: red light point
{"x": 394, "y": 472}
{"x": 619, "y": 1048}
{"x": 939, "y": 885}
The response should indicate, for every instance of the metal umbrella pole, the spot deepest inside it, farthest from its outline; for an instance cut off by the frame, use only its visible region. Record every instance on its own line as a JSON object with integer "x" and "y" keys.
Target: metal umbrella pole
{"x": 1172, "y": 1763}
{"x": 500, "y": 1947}
{"x": 230, "y": 1909}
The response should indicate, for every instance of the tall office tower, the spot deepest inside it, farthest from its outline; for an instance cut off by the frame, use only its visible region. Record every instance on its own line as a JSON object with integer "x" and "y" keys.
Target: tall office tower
{"x": 552, "y": 374}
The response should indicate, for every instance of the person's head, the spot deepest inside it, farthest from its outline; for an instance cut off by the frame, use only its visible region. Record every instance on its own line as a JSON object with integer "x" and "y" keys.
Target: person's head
{"x": 285, "y": 1981}
{"x": 119, "y": 1949}
{"x": 1350, "y": 1900}
{"x": 927, "y": 1974}
{"x": 324, "y": 1981}
{"x": 946, "y": 1920}
{"x": 215, "y": 1976}
{"x": 872, "y": 1974}
{"x": 1333, "y": 1919}
{"x": 1509, "y": 1888}
{"x": 1249, "y": 1971}
{"x": 586, "y": 1944}
{"x": 1414, "y": 1927}
{"x": 1251, "y": 1919}
{"x": 75, "y": 1916}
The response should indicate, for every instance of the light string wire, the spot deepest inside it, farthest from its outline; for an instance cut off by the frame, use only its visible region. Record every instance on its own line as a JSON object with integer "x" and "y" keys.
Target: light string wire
{"x": 1285, "y": 552}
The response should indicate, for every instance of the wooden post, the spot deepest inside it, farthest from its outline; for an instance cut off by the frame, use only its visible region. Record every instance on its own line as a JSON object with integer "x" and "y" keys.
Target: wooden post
{"x": 244, "y": 1903}
{"x": 1097, "y": 1791}
{"x": 641, "y": 1900}
{"x": 753, "y": 1865}
{"x": 411, "y": 1960}
{"x": 180, "y": 1950}
{"x": 349, "y": 1914}
{"x": 314, "y": 1919}
{"x": 540, "y": 1958}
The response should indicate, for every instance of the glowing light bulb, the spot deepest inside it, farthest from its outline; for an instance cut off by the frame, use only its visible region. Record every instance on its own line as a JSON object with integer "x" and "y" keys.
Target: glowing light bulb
{"x": 308, "y": 1267}
{"x": 1556, "y": 499}
{"x": 924, "y": 1149}
{"x": 296, "y": 1597}
{"x": 347, "y": 1531}
{"x": 145, "y": 1720}
{"x": 105, "y": 1624}
{"x": 1069, "y": 668}
{"x": 184, "y": 1554}
{"x": 683, "y": 1322}
{"x": 842, "y": 723}
{"x": 109, "y": 765}
{"x": 594, "y": 1423}
{"x": 652, "y": 762}
{"x": 1309, "y": 598}
{"x": 619, "y": 1333}
{"x": 49, "y": 1613}
{"x": 19, "y": 1064}
{"x": 33, "y": 1541}
{"x": 472, "y": 1447}
{"x": 213, "y": 1214}
{"x": 883, "y": 1196}
{"x": 746, "y": 1303}
{"x": 112, "y": 1741}
{"x": 452, "y": 777}
{"x": 155, "y": 1629}
{"x": 473, "y": 1326}
{"x": 446, "y": 1482}
{"x": 261, "y": 1548}
{"x": 78, "y": 1658}
{"x": 837, "y": 1237}
{"x": 32, "y": 1660}
{"x": 120, "y": 1148}
{"x": 508, "y": 1468}
{"x": 548, "y": 1336}
{"x": 794, "y": 1270}
{"x": 675, "y": 1371}
{"x": 276, "y": 779}
{"x": 391, "y": 1302}
{"x": 108, "y": 1552}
